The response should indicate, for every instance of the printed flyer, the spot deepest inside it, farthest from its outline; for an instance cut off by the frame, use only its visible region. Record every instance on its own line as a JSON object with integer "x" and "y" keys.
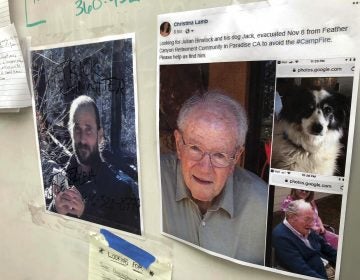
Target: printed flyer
{"x": 256, "y": 111}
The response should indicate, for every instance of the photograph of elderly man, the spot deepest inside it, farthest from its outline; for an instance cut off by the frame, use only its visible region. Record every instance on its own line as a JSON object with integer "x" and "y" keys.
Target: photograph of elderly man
{"x": 208, "y": 198}
{"x": 298, "y": 247}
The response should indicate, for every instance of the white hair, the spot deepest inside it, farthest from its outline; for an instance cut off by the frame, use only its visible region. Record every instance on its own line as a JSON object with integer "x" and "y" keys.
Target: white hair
{"x": 217, "y": 102}
{"x": 295, "y": 206}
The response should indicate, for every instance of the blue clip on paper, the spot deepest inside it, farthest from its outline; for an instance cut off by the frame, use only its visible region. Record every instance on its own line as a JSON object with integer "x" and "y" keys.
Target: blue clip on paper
{"x": 126, "y": 248}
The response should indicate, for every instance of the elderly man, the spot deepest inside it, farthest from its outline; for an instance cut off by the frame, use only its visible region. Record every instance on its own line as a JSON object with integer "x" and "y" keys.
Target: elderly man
{"x": 298, "y": 248}
{"x": 91, "y": 190}
{"x": 206, "y": 199}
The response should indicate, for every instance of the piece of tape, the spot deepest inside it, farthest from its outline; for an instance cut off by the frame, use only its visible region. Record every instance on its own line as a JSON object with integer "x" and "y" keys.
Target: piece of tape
{"x": 124, "y": 247}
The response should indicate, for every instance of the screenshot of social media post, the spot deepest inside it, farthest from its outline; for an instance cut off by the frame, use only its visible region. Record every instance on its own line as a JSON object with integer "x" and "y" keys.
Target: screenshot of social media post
{"x": 252, "y": 113}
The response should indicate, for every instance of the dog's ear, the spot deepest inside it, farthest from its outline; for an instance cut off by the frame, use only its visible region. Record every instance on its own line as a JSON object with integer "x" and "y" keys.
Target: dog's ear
{"x": 297, "y": 104}
{"x": 341, "y": 106}
{"x": 287, "y": 99}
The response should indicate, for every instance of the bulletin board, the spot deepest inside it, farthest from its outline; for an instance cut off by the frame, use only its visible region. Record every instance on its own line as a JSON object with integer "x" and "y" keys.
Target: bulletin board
{"x": 38, "y": 246}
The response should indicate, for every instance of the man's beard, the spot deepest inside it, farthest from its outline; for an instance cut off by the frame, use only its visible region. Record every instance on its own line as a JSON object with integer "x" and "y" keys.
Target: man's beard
{"x": 85, "y": 155}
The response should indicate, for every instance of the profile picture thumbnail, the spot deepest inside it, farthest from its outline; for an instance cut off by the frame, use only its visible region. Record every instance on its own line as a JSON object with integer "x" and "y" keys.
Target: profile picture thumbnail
{"x": 165, "y": 29}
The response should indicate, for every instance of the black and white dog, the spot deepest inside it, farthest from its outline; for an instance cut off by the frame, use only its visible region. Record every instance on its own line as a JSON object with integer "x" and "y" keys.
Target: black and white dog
{"x": 307, "y": 134}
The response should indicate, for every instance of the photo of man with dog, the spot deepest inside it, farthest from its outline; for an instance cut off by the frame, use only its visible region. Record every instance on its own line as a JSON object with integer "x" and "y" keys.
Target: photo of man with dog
{"x": 311, "y": 124}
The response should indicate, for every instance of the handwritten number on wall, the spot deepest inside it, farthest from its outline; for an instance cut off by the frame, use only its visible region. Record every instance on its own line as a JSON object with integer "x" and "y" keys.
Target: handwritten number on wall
{"x": 86, "y": 7}
{"x": 82, "y": 7}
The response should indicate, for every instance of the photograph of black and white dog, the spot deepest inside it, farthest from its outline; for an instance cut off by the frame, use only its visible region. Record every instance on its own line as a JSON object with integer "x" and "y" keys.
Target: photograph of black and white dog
{"x": 310, "y": 130}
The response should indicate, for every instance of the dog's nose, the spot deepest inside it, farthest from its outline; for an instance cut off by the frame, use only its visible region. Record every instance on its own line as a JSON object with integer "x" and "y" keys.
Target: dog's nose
{"x": 316, "y": 128}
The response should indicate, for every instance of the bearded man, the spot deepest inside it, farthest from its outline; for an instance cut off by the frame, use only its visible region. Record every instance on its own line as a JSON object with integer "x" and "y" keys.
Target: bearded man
{"x": 93, "y": 192}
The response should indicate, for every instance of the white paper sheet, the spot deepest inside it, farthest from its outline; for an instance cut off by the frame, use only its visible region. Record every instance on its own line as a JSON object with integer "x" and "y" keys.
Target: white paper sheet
{"x": 292, "y": 42}
{"x": 106, "y": 263}
{"x": 14, "y": 90}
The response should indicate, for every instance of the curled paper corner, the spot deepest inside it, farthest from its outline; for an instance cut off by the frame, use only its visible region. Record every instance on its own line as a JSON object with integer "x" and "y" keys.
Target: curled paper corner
{"x": 56, "y": 222}
{"x": 37, "y": 212}
{"x": 93, "y": 234}
{"x": 98, "y": 237}
{"x": 163, "y": 261}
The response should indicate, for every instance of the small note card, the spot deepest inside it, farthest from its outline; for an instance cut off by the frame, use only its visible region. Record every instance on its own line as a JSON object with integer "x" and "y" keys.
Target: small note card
{"x": 114, "y": 258}
{"x": 14, "y": 90}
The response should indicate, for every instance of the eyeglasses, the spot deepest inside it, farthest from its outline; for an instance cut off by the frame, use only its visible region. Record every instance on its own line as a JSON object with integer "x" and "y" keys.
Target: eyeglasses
{"x": 217, "y": 159}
